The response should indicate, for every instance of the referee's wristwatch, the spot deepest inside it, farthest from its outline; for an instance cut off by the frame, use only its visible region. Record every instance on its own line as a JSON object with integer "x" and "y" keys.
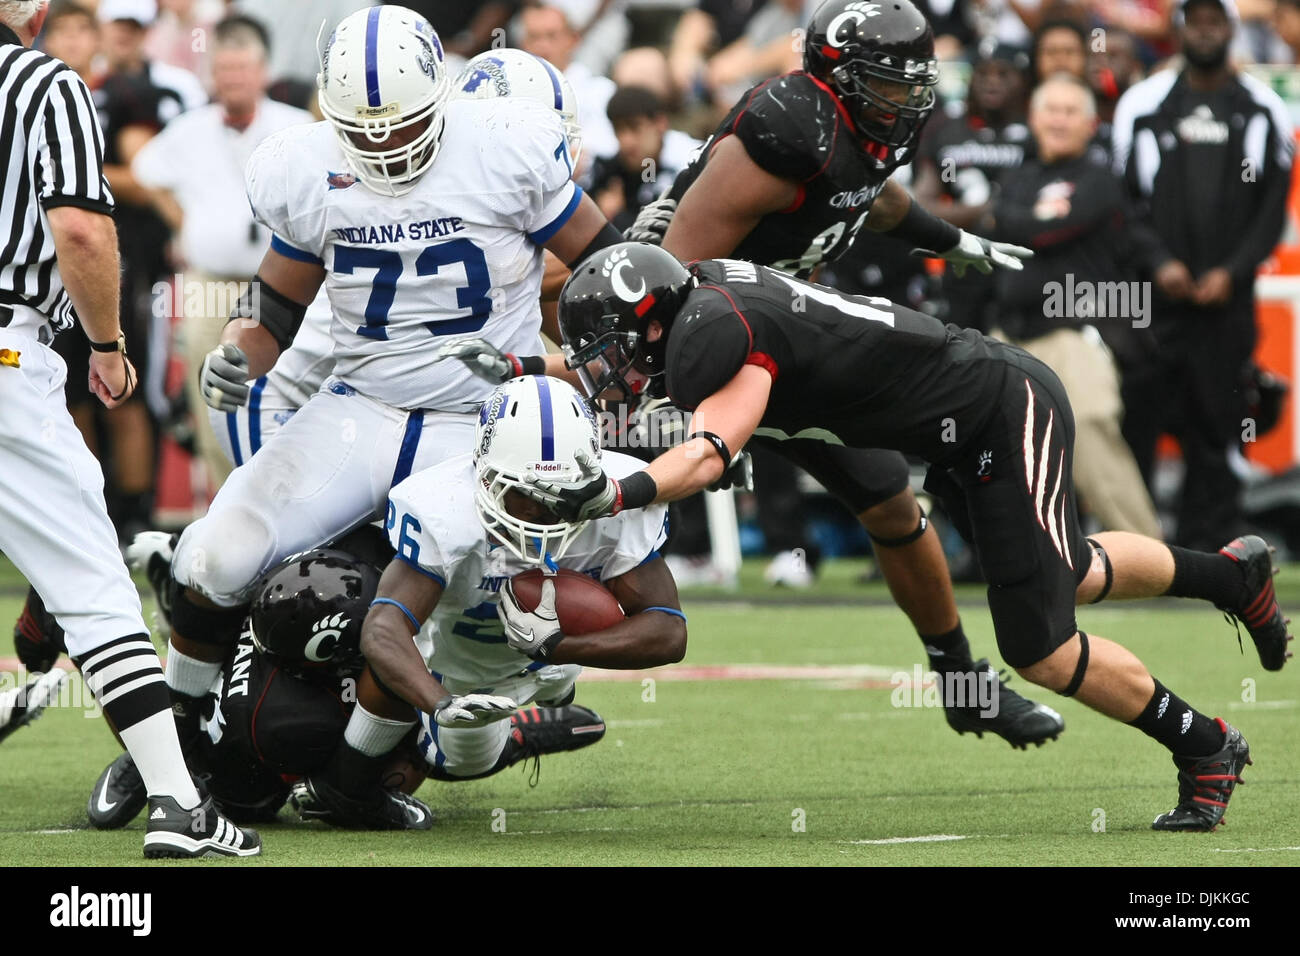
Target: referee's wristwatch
{"x": 117, "y": 345}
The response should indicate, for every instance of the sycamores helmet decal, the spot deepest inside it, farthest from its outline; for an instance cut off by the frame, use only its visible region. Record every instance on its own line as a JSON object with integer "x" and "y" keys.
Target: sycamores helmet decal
{"x": 509, "y": 72}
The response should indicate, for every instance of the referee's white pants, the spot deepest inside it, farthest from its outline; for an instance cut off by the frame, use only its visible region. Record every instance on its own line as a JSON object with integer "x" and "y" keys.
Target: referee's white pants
{"x": 327, "y": 470}
{"x": 54, "y": 524}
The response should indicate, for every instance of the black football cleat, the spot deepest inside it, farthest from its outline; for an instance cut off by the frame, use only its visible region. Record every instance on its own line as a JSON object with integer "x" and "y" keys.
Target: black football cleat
{"x": 1205, "y": 784}
{"x": 1258, "y": 609}
{"x": 541, "y": 730}
{"x": 38, "y": 638}
{"x": 1017, "y": 720}
{"x": 20, "y": 706}
{"x": 119, "y": 795}
{"x": 175, "y": 833}
{"x": 315, "y": 798}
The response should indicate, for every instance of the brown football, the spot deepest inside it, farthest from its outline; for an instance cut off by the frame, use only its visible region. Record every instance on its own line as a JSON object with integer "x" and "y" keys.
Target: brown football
{"x": 584, "y": 605}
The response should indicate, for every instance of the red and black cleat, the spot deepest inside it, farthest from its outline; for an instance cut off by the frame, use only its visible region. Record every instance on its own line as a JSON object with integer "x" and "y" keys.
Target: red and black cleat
{"x": 1205, "y": 784}
{"x": 38, "y": 639}
{"x": 1258, "y": 609}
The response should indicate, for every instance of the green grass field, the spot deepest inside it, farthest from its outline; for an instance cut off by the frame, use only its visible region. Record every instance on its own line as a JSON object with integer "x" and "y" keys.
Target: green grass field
{"x": 720, "y": 771}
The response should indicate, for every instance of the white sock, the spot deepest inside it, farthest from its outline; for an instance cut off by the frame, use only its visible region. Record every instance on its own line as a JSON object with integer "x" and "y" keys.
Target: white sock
{"x": 157, "y": 755}
{"x": 189, "y": 675}
{"x": 374, "y": 736}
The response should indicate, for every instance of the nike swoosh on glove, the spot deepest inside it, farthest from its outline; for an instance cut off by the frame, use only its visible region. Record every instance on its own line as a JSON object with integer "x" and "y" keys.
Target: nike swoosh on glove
{"x": 983, "y": 254}
{"x": 535, "y": 632}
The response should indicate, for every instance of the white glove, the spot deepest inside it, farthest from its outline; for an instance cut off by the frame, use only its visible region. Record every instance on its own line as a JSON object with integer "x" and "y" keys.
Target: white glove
{"x": 534, "y": 633}
{"x": 472, "y": 710}
{"x": 223, "y": 380}
{"x": 482, "y": 358}
{"x": 652, "y": 222}
{"x": 983, "y": 254}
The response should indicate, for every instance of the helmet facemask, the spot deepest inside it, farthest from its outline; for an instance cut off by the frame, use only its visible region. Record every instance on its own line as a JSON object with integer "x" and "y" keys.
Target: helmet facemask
{"x": 394, "y": 171}
{"x": 889, "y": 104}
{"x": 530, "y": 426}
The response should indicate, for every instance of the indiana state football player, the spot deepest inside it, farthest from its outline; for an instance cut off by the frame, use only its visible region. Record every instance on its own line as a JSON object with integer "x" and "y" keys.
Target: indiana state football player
{"x": 447, "y": 643}
{"x": 424, "y": 218}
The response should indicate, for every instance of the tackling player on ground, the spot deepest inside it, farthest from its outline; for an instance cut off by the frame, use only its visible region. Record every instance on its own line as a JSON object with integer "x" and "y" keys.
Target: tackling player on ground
{"x": 795, "y": 171}
{"x": 745, "y": 347}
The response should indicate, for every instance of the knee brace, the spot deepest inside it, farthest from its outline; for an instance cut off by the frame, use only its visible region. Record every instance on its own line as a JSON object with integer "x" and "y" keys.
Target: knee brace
{"x": 1077, "y": 680}
{"x": 922, "y": 523}
{"x": 1110, "y": 572}
{"x": 219, "y": 627}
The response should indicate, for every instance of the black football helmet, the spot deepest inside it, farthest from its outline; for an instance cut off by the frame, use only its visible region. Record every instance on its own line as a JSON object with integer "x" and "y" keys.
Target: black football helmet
{"x": 878, "y": 57}
{"x": 606, "y": 307}
{"x": 308, "y": 611}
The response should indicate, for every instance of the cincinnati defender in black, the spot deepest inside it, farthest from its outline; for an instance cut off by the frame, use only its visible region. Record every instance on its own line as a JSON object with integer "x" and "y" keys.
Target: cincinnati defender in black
{"x": 748, "y": 348}
{"x": 797, "y": 169}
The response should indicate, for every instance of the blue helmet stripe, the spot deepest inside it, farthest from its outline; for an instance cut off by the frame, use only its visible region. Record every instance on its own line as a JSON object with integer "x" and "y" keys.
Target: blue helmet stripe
{"x": 372, "y": 58}
{"x": 555, "y": 83}
{"x": 548, "y": 422}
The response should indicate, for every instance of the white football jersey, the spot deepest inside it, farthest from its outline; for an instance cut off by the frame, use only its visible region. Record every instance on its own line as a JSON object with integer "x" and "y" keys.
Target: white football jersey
{"x": 459, "y": 255}
{"x": 433, "y": 526}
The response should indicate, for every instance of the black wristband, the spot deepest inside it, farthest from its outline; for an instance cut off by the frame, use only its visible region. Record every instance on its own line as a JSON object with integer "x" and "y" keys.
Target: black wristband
{"x": 637, "y": 490}
{"x": 718, "y": 444}
{"x": 925, "y": 230}
{"x": 117, "y": 345}
{"x": 531, "y": 364}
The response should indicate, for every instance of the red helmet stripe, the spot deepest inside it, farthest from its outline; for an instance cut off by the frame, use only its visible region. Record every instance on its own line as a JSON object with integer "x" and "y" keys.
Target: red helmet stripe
{"x": 644, "y": 305}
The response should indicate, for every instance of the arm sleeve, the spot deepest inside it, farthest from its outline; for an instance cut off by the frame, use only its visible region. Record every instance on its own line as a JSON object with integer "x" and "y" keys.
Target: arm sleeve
{"x": 708, "y": 345}
{"x": 70, "y": 158}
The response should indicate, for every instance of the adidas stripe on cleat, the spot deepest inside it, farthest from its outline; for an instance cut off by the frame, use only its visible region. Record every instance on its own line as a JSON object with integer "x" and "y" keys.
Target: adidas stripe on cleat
{"x": 173, "y": 832}
{"x": 1205, "y": 784}
{"x": 1258, "y": 609}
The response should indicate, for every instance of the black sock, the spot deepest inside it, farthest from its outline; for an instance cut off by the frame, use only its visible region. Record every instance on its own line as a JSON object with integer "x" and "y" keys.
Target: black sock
{"x": 1212, "y": 577}
{"x": 1185, "y": 731}
{"x": 950, "y": 651}
{"x": 186, "y": 710}
{"x": 353, "y": 772}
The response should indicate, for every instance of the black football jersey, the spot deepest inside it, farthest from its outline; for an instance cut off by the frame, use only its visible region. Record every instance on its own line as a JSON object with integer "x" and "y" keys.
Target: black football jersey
{"x": 793, "y": 126}
{"x": 855, "y": 370}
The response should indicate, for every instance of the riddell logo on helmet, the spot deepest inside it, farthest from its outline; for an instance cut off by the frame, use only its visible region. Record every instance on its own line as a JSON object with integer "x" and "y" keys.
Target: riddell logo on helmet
{"x": 549, "y": 467}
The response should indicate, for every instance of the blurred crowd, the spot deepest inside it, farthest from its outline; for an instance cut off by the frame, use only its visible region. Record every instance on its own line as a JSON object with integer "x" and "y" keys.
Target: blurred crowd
{"x": 1035, "y": 141}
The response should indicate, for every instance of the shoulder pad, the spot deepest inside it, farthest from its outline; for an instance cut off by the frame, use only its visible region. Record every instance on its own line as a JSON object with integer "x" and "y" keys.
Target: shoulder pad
{"x": 788, "y": 126}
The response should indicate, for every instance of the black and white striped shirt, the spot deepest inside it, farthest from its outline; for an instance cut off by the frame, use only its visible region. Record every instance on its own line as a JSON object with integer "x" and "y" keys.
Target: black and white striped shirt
{"x": 51, "y": 154}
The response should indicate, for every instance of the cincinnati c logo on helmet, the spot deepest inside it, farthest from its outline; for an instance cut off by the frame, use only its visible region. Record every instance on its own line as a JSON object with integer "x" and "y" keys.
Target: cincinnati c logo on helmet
{"x": 855, "y": 13}
{"x": 613, "y": 271}
{"x": 326, "y": 634}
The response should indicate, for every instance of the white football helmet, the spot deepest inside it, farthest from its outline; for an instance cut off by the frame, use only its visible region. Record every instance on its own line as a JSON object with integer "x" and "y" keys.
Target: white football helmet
{"x": 534, "y": 425}
{"x": 383, "y": 72}
{"x": 510, "y": 72}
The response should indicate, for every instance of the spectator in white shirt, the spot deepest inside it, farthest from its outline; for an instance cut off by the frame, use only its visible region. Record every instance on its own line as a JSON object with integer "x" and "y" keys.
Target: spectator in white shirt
{"x": 195, "y": 167}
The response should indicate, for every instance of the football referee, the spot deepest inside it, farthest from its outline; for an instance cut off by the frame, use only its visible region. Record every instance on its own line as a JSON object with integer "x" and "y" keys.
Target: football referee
{"x": 59, "y": 265}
